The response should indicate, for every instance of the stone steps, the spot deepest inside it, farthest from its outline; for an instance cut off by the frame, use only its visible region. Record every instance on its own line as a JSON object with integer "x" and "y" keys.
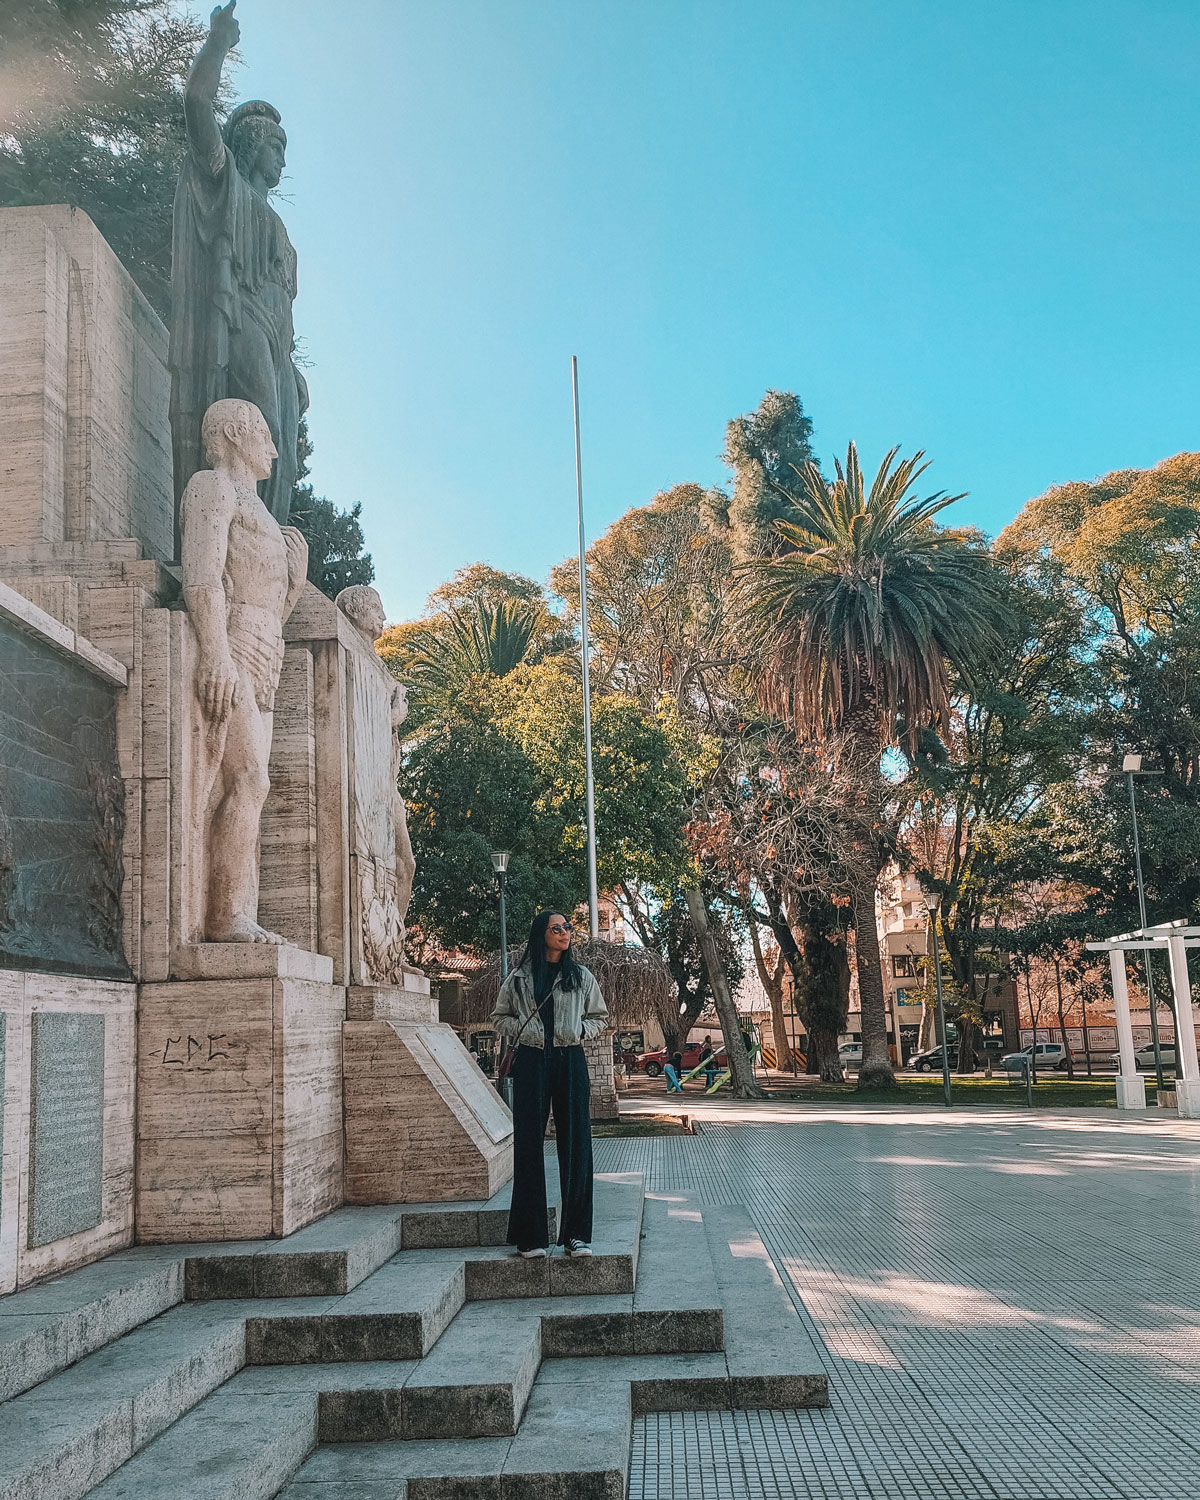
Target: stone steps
{"x": 74, "y": 1429}
{"x": 413, "y": 1362}
{"x": 45, "y": 1328}
{"x": 227, "y": 1448}
{"x": 710, "y": 1325}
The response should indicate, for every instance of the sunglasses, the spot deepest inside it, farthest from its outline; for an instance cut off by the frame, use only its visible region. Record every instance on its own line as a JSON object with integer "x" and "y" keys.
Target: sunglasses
{"x": 559, "y": 927}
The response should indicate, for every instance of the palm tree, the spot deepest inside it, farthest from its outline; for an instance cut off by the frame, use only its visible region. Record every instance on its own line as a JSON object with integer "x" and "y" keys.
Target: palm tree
{"x": 860, "y": 622}
{"x": 443, "y": 658}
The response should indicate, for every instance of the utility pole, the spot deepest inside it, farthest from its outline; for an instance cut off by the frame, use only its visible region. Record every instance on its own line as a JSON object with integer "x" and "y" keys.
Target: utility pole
{"x": 593, "y": 897}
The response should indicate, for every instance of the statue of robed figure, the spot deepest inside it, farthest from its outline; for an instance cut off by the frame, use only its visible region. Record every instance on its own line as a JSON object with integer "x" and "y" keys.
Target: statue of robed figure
{"x": 233, "y": 275}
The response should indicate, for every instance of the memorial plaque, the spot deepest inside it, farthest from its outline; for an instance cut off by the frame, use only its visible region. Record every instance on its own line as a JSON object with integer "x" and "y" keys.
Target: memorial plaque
{"x": 66, "y": 1149}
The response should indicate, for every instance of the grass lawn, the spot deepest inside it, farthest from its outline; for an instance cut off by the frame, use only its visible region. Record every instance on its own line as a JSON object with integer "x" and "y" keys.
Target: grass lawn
{"x": 1055, "y": 1093}
{"x": 640, "y": 1125}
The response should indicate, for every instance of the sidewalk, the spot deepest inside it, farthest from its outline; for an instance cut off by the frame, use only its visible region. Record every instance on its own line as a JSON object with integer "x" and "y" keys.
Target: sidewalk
{"x": 1008, "y": 1302}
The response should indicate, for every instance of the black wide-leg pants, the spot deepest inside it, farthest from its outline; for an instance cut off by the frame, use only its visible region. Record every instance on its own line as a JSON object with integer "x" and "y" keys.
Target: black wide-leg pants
{"x": 544, "y": 1079}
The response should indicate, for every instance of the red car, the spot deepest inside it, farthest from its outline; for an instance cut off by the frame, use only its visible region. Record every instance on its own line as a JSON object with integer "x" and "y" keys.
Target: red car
{"x": 652, "y": 1063}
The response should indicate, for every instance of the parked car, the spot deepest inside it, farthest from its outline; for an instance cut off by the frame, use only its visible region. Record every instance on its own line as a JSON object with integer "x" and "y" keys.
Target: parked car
{"x": 1144, "y": 1056}
{"x": 652, "y": 1063}
{"x": 931, "y": 1059}
{"x": 1052, "y": 1057}
{"x": 850, "y": 1053}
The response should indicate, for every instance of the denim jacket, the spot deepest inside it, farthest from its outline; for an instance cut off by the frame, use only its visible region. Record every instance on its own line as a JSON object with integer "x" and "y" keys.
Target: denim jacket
{"x": 579, "y": 1014}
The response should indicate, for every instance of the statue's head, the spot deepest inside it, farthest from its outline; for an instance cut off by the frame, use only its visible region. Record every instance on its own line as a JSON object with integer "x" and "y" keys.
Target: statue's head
{"x": 238, "y": 427}
{"x": 256, "y": 137}
{"x": 363, "y": 607}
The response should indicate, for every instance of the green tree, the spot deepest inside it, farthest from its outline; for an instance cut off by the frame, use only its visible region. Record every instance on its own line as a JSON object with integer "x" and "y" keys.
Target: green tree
{"x": 767, "y": 450}
{"x": 470, "y": 790}
{"x": 91, "y": 114}
{"x": 860, "y": 620}
{"x": 980, "y": 790}
{"x": 641, "y": 777}
{"x": 335, "y": 537}
{"x": 454, "y": 657}
{"x": 1126, "y": 546}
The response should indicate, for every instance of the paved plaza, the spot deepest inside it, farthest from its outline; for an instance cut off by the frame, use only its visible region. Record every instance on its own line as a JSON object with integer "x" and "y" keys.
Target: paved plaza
{"x": 1008, "y": 1304}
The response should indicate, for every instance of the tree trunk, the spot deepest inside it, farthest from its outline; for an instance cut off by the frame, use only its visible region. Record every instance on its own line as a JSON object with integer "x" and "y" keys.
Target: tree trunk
{"x": 821, "y": 978}
{"x": 744, "y": 1083}
{"x": 773, "y": 987}
{"x": 876, "y": 1071}
{"x": 1062, "y": 1020}
{"x": 928, "y": 1033}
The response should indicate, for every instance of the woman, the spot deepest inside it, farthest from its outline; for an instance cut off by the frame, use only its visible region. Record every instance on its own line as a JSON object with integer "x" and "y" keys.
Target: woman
{"x": 548, "y": 1006}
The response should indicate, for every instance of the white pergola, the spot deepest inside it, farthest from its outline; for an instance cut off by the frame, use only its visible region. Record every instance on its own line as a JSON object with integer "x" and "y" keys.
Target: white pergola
{"x": 1176, "y": 938}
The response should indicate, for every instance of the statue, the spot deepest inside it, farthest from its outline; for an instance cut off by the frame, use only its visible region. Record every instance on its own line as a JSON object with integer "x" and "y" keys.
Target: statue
{"x": 385, "y": 874}
{"x": 242, "y": 575}
{"x": 233, "y": 275}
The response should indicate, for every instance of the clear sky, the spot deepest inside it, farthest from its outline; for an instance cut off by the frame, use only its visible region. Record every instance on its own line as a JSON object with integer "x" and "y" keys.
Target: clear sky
{"x": 964, "y": 225}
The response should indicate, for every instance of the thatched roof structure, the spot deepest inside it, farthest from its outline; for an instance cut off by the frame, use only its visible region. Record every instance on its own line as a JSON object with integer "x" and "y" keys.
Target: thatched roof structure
{"x": 637, "y": 984}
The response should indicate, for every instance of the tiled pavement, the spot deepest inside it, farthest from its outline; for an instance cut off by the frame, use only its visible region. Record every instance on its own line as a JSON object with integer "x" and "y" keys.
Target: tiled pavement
{"x": 1009, "y": 1306}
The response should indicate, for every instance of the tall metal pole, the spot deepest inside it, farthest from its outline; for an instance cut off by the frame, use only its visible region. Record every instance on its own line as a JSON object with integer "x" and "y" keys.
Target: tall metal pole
{"x": 1137, "y": 862}
{"x": 593, "y": 899}
{"x": 501, "y": 877}
{"x": 937, "y": 975}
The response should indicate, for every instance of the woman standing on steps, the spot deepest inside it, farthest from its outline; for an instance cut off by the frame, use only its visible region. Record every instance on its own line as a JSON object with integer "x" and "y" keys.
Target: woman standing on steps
{"x": 548, "y": 1006}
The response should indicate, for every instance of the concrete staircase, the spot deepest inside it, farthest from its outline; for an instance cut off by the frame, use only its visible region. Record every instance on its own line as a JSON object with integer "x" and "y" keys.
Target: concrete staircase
{"x": 394, "y": 1353}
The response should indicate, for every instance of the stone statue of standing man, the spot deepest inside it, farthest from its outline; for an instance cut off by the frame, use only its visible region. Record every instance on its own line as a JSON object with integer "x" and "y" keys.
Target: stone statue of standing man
{"x": 233, "y": 275}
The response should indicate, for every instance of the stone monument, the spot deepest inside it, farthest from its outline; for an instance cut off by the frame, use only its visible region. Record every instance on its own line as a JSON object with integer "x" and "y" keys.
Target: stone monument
{"x": 233, "y": 275}
{"x": 208, "y": 1030}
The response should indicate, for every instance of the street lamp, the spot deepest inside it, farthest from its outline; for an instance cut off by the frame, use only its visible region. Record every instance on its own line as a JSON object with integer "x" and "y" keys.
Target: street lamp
{"x": 932, "y": 902}
{"x": 500, "y": 865}
{"x": 1132, "y": 766}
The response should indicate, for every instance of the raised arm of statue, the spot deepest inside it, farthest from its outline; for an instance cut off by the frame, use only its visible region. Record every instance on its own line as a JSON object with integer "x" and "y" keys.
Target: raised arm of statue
{"x": 205, "y": 513}
{"x": 201, "y": 88}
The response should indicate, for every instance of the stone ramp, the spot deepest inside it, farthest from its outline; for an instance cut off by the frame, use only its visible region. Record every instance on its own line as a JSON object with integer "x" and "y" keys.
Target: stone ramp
{"x": 341, "y": 1365}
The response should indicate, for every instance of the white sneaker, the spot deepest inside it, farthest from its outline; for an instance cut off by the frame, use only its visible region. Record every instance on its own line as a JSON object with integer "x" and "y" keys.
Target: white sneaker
{"x": 532, "y": 1254}
{"x": 577, "y": 1248}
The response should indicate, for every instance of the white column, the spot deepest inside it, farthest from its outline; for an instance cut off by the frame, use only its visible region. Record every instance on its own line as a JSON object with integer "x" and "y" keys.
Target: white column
{"x": 1131, "y": 1086}
{"x": 1187, "y": 1084}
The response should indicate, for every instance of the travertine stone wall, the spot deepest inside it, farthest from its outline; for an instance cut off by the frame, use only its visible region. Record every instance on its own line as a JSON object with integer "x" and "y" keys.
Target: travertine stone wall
{"x": 287, "y": 900}
{"x": 107, "y": 1152}
{"x": 84, "y": 434}
{"x": 422, "y": 1122}
{"x": 239, "y": 1107}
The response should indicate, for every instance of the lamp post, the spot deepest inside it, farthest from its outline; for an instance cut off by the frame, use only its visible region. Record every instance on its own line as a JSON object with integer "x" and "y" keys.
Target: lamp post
{"x": 1132, "y": 766}
{"x": 500, "y": 865}
{"x": 932, "y": 902}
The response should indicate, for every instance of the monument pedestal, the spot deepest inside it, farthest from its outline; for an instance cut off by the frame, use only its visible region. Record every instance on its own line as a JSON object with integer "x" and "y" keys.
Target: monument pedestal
{"x": 422, "y": 1122}
{"x": 239, "y": 1095}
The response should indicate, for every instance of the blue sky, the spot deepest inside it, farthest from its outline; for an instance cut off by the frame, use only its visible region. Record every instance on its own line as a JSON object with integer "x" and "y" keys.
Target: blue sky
{"x": 968, "y": 227}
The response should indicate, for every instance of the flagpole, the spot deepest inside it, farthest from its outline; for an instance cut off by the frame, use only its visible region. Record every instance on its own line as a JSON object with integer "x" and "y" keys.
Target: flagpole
{"x": 593, "y": 908}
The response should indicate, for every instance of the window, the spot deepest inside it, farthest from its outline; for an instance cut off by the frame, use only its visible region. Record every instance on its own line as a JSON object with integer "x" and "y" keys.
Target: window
{"x": 904, "y": 965}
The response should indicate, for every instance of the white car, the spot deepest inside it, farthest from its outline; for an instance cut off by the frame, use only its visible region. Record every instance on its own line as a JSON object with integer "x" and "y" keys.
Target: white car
{"x": 850, "y": 1052}
{"x": 1051, "y": 1057}
{"x": 1144, "y": 1056}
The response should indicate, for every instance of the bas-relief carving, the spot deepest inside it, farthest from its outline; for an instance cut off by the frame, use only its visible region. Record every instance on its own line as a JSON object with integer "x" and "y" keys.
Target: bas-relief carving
{"x": 381, "y": 850}
{"x": 242, "y": 574}
{"x": 233, "y": 276}
{"x": 62, "y": 814}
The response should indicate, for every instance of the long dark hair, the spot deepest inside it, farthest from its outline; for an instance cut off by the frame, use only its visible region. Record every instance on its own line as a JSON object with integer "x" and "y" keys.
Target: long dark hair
{"x": 535, "y": 952}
